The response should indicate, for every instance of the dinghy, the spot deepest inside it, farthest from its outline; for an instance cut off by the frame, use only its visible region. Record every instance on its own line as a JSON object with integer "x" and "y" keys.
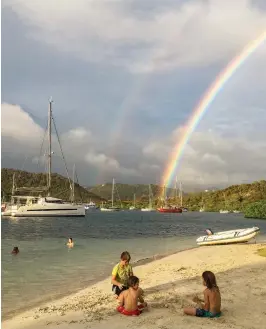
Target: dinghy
{"x": 234, "y": 236}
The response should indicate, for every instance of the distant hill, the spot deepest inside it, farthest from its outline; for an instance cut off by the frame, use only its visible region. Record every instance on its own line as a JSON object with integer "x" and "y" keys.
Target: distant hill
{"x": 126, "y": 192}
{"x": 235, "y": 197}
{"x": 60, "y": 185}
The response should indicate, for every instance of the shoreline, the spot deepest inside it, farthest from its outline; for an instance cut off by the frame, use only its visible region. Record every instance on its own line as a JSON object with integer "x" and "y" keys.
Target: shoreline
{"x": 169, "y": 284}
{"x": 139, "y": 262}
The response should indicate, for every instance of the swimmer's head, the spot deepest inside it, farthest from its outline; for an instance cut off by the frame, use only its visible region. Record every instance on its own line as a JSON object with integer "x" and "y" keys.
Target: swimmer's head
{"x": 133, "y": 282}
{"x": 70, "y": 240}
{"x": 15, "y": 250}
{"x": 125, "y": 258}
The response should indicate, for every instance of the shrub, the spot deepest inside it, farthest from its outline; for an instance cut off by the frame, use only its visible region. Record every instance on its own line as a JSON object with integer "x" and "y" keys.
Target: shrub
{"x": 256, "y": 210}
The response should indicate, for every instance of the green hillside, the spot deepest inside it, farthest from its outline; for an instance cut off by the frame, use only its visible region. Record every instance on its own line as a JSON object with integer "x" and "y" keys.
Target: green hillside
{"x": 235, "y": 197}
{"x": 60, "y": 185}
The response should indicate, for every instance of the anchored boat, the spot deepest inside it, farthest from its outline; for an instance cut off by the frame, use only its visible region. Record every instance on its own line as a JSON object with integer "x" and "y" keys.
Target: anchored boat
{"x": 30, "y": 205}
{"x": 226, "y": 237}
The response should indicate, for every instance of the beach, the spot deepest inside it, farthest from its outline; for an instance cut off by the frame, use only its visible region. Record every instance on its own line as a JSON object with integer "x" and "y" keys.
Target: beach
{"x": 169, "y": 284}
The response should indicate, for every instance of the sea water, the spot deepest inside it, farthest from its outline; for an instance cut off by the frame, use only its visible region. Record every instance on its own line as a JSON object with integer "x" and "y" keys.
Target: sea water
{"x": 46, "y": 268}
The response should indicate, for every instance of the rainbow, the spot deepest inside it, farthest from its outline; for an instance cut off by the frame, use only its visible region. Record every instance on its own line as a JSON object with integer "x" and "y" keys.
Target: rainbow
{"x": 204, "y": 104}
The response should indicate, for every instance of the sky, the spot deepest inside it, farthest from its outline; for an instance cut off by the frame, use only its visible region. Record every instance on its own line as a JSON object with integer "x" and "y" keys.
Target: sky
{"x": 125, "y": 77}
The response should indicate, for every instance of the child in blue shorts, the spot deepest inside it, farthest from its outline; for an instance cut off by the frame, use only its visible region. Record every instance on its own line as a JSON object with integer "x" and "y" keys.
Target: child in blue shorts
{"x": 210, "y": 307}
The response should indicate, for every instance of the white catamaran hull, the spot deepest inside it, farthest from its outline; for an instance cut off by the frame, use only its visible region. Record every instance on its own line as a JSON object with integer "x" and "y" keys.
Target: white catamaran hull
{"x": 49, "y": 210}
{"x": 226, "y": 237}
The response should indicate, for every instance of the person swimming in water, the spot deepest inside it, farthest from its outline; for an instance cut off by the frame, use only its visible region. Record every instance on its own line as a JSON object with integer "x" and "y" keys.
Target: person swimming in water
{"x": 210, "y": 307}
{"x": 15, "y": 251}
{"x": 129, "y": 299}
{"x": 70, "y": 243}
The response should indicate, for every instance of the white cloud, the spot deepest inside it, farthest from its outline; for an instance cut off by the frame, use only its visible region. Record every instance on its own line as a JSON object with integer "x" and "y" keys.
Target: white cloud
{"x": 18, "y": 125}
{"x": 187, "y": 34}
{"x": 107, "y": 164}
{"x": 102, "y": 160}
{"x": 78, "y": 134}
{"x": 156, "y": 150}
{"x": 211, "y": 158}
{"x": 22, "y": 136}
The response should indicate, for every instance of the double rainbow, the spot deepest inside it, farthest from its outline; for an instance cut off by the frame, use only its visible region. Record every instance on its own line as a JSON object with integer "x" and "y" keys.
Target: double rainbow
{"x": 204, "y": 104}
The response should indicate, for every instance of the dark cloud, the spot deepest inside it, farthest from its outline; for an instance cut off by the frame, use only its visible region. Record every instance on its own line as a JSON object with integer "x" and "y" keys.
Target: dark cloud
{"x": 128, "y": 86}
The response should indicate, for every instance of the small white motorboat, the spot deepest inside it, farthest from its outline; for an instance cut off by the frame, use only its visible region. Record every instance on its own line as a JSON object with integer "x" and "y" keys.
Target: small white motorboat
{"x": 226, "y": 237}
{"x": 147, "y": 209}
{"x": 110, "y": 209}
{"x": 224, "y": 211}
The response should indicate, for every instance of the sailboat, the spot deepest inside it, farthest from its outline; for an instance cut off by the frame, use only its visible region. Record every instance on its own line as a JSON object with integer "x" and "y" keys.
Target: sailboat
{"x": 38, "y": 206}
{"x": 112, "y": 208}
{"x": 184, "y": 209}
{"x": 169, "y": 209}
{"x": 202, "y": 208}
{"x": 90, "y": 205}
{"x": 149, "y": 208}
{"x": 134, "y": 203}
{"x": 224, "y": 211}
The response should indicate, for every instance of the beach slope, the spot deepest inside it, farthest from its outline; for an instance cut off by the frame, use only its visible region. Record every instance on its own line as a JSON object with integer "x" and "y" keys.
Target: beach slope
{"x": 170, "y": 284}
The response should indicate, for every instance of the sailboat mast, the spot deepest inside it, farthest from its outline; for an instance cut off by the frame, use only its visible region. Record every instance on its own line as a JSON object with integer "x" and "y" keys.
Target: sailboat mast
{"x": 176, "y": 189}
{"x": 49, "y": 147}
{"x": 113, "y": 188}
{"x": 150, "y": 205}
{"x": 181, "y": 194}
{"x": 73, "y": 185}
{"x": 134, "y": 200}
{"x": 164, "y": 193}
{"x": 13, "y": 188}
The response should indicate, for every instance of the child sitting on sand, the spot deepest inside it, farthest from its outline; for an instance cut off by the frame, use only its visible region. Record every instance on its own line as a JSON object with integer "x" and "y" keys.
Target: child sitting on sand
{"x": 212, "y": 299}
{"x": 128, "y": 299}
{"x": 120, "y": 274}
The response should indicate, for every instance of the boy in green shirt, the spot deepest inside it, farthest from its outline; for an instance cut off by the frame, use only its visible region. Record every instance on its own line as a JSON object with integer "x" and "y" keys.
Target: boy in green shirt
{"x": 120, "y": 274}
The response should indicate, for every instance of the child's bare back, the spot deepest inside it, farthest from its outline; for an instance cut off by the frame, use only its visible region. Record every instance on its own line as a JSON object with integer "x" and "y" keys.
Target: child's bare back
{"x": 128, "y": 299}
{"x": 210, "y": 307}
{"x": 131, "y": 298}
{"x": 214, "y": 297}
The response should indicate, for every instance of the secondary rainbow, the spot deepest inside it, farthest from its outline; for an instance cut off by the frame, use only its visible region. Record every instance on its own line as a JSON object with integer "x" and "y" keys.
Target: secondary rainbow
{"x": 204, "y": 104}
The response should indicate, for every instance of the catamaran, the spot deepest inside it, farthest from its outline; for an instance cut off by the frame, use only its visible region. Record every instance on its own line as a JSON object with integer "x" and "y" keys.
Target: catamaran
{"x": 27, "y": 205}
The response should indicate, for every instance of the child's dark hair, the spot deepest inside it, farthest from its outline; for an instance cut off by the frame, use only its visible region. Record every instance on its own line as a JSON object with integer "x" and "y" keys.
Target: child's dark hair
{"x": 209, "y": 279}
{"x": 125, "y": 256}
{"x": 133, "y": 280}
{"x": 71, "y": 239}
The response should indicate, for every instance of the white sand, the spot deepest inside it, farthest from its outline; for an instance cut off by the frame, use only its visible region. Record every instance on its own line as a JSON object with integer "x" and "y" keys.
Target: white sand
{"x": 169, "y": 284}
